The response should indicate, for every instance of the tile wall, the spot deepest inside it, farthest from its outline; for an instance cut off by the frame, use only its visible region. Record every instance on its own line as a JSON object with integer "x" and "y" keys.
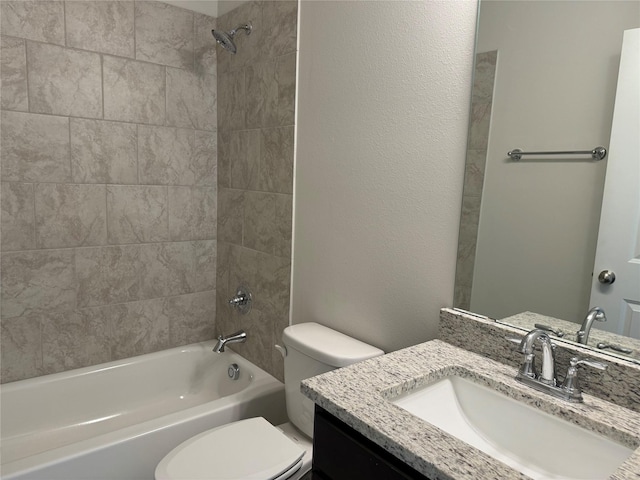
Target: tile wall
{"x": 109, "y": 182}
{"x": 480, "y": 120}
{"x": 256, "y": 91}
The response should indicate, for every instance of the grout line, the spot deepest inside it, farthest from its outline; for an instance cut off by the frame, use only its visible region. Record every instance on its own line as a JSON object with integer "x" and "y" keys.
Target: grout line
{"x": 64, "y": 22}
{"x": 138, "y": 154}
{"x": 102, "y": 82}
{"x": 35, "y": 226}
{"x": 135, "y": 45}
{"x": 127, "y": 122}
{"x": 26, "y": 71}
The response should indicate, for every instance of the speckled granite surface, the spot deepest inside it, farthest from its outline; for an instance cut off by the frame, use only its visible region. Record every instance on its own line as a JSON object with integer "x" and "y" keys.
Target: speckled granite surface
{"x": 358, "y": 395}
{"x": 527, "y": 320}
{"x": 619, "y": 384}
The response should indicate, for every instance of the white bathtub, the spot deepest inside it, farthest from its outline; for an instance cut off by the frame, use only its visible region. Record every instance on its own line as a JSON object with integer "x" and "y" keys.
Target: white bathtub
{"x": 117, "y": 420}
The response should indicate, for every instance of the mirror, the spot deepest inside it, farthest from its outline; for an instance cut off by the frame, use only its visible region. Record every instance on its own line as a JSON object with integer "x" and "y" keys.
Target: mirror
{"x": 544, "y": 80}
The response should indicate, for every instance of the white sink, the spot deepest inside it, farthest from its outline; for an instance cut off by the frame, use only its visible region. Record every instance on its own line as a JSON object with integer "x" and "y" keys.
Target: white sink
{"x": 535, "y": 443}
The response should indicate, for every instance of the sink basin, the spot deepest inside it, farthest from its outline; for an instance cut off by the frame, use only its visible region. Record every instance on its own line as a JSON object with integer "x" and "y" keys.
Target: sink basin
{"x": 535, "y": 443}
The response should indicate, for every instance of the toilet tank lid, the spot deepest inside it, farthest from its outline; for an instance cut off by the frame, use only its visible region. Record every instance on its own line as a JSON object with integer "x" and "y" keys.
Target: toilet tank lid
{"x": 326, "y": 345}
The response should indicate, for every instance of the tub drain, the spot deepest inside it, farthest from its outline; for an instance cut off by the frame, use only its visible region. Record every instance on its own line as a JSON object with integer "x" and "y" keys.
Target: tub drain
{"x": 233, "y": 371}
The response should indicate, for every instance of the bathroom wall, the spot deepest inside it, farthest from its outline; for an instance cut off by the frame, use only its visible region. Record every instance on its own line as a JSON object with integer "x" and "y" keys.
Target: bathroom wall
{"x": 108, "y": 164}
{"x": 555, "y": 90}
{"x": 256, "y": 116}
{"x": 383, "y": 108}
{"x": 481, "y": 100}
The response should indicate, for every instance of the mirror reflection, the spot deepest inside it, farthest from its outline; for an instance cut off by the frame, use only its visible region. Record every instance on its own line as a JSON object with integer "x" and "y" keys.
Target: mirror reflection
{"x": 545, "y": 79}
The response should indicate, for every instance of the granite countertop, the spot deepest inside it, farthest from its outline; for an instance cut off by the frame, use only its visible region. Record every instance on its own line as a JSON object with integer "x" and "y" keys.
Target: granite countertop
{"x": 358, "y": 395}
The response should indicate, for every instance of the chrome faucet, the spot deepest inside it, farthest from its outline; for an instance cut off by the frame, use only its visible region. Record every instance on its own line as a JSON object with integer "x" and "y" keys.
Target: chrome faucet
{"x": 596, "y": 313}
{"x": 528, "y": 369}
{"x": 546, "y": 380}
{"x": 238, "y": 337}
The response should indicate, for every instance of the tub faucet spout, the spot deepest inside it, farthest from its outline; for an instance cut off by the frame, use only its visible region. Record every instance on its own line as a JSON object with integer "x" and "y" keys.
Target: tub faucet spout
{"x": 238, "y": 337}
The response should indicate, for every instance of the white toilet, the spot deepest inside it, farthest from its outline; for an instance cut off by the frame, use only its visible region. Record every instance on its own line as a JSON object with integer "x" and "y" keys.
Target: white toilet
{"x": 253, "y": 448}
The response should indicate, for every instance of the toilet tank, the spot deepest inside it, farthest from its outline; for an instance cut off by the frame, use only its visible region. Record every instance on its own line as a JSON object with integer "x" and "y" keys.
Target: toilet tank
{"x": 313, "y": 349}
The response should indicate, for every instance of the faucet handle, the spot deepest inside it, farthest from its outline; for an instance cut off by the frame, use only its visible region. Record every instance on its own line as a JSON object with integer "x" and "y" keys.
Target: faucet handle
{"x": 517, "y": 343}
{"x": 571, "y": 385}
{"x": 575, "y": 361}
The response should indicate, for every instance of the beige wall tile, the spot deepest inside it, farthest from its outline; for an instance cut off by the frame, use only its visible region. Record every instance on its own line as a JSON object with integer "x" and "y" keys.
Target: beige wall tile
{"x": 249, "y": 47}
{"x": 138, "y": 328}
{"x": 243, "y": 269}
{"x": 37, "y": 281}
{"x": 225, "y": 147}
{"x": 34, "y": 148}
{"x": 260, "y": 221}
{"x": 474, "y": 172}
{"x": 205, "y": 253}
{"x": 133, "y": 91}
{"x": 164, "y": 34}
{"x": 223, "y": 289}
{"x": 75, "y": 339}
{"x": 137, "y": 214}
{"x": 191, "y": 317}
{"x": 479, "y": 126}
{"x": 271, "y": 92}
{"x": 205, "y": 45}
{"x": 64, "y": 81}
{"x": 13, "y": 74}
{"x": 280, "y": 23}
{"x": 276, "y": 160}
{"x": 18, "y": 216}
{"x": 286, "y": 85}
{"x": 230, "y": 215}
{"x": 192, "y": 213}
{"x": 70, "y": 215}
{"x": 103, "y": 152}
{"x": 167, "y": 269}
{"x": 205, "y": 159}
{"x": 20, "y": 348}
{"x": 231, "y": 100}
{"x": 283, "y": 225}
{"x": 273, "y": 283}
{"x": 191, "y": 99}
{"x": 102, "y": 26}
{"x": 244, "y": 158}
{"x": 107, "y": 275}
{"x": 484, "y": 76}
{"x": 166, "y": 155}
{"x": 42, "y": 21}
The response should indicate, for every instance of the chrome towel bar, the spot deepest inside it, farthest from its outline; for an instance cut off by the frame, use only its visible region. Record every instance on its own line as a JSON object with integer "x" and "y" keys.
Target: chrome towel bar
{"x": 597, "y": 153}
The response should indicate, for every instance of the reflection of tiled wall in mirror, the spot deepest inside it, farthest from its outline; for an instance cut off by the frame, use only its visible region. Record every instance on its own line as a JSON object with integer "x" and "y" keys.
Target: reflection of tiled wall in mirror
{"x": 480, "y": 119}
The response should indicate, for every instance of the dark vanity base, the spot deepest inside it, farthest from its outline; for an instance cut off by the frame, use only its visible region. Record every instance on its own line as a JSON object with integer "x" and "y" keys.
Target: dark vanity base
{"x": 341, "y": 453}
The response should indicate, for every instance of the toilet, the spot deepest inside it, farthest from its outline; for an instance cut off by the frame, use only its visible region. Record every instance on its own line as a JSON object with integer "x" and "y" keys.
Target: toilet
{"x": 253, "y": 448}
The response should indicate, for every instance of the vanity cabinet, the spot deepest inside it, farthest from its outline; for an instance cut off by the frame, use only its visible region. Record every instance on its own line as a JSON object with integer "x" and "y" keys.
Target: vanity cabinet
{"x": 341, "y": 453}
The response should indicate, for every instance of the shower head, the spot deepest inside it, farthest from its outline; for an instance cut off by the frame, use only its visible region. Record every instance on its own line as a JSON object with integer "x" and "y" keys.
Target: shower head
{"x": 225, "y": 39}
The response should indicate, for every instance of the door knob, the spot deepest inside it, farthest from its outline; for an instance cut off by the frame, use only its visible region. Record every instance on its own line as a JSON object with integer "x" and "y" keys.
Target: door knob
{"x": 607, "y": 277}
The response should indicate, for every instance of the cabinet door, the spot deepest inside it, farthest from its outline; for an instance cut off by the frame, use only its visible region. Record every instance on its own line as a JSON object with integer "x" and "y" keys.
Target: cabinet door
{"x": 341, "y": 453}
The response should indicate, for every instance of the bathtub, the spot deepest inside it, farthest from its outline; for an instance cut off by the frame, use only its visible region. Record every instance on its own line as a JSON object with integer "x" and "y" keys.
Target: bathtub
{"x": 117, "y": 420}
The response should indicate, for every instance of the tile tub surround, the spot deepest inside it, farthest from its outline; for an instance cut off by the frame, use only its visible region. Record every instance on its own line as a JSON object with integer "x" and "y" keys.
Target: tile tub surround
{"x": 619, "y": 384}
{"x": 256, "y": 92}
{"x": 358, "y": 395}
{"x": 109, "y": 182}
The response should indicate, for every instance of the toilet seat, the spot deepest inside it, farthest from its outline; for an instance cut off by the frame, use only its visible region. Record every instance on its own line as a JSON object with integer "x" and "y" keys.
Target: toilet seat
{"x": 251, "y": 449}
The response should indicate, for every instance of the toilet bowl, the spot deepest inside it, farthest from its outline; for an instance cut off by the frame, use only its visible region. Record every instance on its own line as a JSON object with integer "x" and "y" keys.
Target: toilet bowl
{"x": 253, "y": 449}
